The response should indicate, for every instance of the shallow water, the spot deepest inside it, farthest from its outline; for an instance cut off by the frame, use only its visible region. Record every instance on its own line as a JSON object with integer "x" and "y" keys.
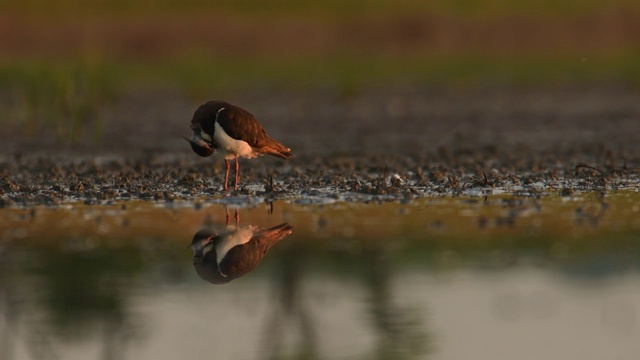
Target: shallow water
{"x": 497, "y": 277}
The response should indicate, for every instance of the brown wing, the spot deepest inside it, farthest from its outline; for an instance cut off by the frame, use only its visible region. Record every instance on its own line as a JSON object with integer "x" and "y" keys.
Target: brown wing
{"x": 242, "y": 125}
{"x": 243, "y": 258}
{"x": 208, "y": 270}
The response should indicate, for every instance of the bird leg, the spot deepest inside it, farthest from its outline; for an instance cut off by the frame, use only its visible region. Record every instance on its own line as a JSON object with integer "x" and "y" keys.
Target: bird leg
{"x": 236, "y": 216}
{"x": 227, "y": 166}
{"x": 235, "y": 186}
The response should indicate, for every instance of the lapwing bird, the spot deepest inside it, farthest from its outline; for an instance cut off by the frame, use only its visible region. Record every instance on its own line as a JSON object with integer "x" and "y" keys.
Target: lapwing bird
{"x": 233, "y": 252}
{"x": 231, "y": 132}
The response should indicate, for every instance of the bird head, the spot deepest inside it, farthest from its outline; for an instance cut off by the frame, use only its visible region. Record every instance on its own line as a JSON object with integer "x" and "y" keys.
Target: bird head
{"x": 200, "y": 244}
{"x": 200, "y": 146}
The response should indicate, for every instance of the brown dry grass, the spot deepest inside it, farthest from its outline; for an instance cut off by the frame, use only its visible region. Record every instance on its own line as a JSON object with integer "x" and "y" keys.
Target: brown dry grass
{"x": 158, "y": 37}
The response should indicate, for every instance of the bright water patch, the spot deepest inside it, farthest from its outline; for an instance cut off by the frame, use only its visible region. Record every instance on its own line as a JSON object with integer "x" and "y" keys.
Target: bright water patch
{"x": 485, "y": 277}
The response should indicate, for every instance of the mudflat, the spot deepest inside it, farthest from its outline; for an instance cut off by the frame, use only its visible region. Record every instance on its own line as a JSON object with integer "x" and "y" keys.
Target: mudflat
{"x": 391, "y": 143}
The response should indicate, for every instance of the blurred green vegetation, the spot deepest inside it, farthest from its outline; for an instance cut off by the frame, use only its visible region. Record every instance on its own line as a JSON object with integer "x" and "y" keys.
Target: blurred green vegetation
{"x": 204, "y": 74}
{"x": 94, "y": 293}
{"x": 64, "y": 98}
{"x": 66, "y": 93}
{"x": 58, "y": 98}
{"x": 315, "y": 8}
{"x": 60, "y": 91}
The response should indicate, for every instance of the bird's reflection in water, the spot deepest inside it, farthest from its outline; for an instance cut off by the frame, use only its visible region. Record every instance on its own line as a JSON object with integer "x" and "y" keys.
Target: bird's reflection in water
{"x": 224, "y": 253}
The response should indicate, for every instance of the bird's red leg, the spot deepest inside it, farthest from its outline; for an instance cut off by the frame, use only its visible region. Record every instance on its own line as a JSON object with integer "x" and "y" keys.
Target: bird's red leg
{"x": 227, "y": 166}
{"x": 235, "y": 186}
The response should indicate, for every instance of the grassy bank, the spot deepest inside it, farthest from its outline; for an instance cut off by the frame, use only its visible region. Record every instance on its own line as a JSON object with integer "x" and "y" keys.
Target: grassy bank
{"x": 64, "y": 97}
{"x": 60, "y": 62}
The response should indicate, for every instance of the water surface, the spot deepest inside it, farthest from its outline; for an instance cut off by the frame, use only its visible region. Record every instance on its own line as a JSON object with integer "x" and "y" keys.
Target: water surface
{"x": 498, "y": 277}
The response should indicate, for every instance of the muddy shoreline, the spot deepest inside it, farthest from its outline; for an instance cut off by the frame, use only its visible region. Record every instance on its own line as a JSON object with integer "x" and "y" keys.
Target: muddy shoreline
{"x": 30, "y": 181}
{"x": 399, "y": 143}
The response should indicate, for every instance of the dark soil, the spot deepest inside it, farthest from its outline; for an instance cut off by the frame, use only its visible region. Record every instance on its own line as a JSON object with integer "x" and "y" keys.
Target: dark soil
{"x": 378, "y": 145}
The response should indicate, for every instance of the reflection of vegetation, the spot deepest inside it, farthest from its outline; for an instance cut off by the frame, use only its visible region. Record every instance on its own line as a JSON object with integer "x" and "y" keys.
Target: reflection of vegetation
{"x": 400, "y": 333}
{"x": 83, "y": 294}
{"x": 83, "y": 288}
{"x": 290, "y": 307}
{"x": 8, "y": 304}
{"x": 74, "y": 290}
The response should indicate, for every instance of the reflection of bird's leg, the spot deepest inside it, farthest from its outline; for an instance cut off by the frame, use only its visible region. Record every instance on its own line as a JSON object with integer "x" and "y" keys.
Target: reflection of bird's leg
{"x": 237, "y": 217}
{"x": 227, "y": 217}
{"x": 235, "y": 186}
{"x": 227, "y": 166}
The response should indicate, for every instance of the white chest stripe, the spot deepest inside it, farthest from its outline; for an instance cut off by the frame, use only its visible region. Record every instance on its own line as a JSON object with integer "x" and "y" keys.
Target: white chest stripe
{"x": 206, "y": 136}
{"x": 231, "y": 146}
{"x": 219, "y": 111}
{"x": 239, "y": 237}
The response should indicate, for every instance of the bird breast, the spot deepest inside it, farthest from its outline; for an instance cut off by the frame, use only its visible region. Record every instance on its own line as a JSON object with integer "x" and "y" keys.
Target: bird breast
{"x": 231, "y": 147}
{"x": 240, "y": 236}
{"x": 205, "y": 136}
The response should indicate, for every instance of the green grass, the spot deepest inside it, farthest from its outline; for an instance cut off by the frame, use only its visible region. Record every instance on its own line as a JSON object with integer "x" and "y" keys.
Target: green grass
{"x": 329, "y": 8}
{"x": 356, "y": 72}
{"x": 60, "y": 99}
{"x": 204, "y": 74}
{"x": 61, "y": 94}
{"x": 63, "y": 98}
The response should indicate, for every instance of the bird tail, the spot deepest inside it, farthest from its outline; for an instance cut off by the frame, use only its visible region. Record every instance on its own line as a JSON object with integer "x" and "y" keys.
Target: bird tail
{"x": 274, "y": 234}
{"x": 285, "y": 154}
{"x": 284, "y": 227}
{"x": 276, "y": 149}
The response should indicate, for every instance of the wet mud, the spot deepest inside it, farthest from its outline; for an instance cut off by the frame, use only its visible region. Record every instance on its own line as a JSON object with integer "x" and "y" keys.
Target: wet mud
{"x": 103, "y": 180}
{"x": 378, "y": 146}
